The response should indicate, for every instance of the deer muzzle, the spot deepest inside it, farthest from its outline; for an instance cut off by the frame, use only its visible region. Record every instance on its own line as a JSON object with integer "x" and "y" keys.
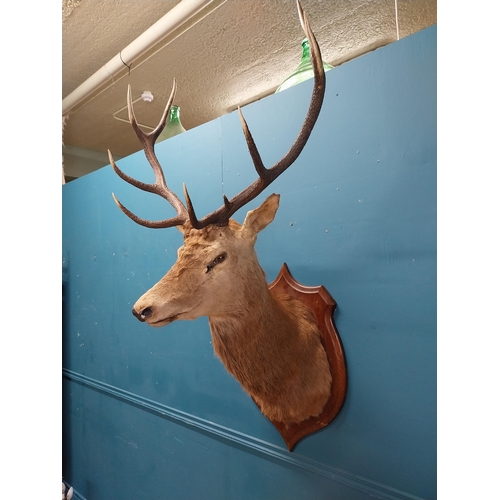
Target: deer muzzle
{"x": 142, "y": 315}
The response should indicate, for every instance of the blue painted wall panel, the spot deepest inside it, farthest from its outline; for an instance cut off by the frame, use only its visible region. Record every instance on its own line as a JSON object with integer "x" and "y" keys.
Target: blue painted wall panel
{"x": 357, "y": 214}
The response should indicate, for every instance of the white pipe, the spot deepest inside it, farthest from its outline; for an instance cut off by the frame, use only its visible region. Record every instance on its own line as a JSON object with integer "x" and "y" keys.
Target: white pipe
{"x": 171, "y": 21}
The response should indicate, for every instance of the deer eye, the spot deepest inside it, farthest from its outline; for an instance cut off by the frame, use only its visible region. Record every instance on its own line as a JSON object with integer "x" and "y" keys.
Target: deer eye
{"x": 220, "y": 258}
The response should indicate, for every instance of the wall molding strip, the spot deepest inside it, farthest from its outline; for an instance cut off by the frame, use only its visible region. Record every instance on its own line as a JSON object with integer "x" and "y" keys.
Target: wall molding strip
{"x": 243, "y": 441}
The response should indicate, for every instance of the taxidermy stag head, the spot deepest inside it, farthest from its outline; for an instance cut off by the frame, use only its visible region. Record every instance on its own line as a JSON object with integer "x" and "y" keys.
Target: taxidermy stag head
{"x": 270, "y": 343}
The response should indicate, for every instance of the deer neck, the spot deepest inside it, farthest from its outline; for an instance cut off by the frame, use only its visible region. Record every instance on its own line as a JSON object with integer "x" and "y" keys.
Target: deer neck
{"x": 252, "y": 311}
{"x": 251, "y": 334}
{"x": 273, "y": 348}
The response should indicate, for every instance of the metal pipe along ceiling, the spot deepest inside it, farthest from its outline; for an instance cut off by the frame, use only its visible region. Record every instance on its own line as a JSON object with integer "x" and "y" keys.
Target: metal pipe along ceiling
{"x": 171, "y": 21}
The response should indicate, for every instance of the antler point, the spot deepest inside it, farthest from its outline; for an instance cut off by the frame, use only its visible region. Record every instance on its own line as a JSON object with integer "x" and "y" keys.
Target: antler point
{"x": 191, "y": 213}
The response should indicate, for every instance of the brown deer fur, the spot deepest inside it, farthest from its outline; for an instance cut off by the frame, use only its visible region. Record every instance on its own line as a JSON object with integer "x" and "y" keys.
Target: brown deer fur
{"x": 271, "y": 345}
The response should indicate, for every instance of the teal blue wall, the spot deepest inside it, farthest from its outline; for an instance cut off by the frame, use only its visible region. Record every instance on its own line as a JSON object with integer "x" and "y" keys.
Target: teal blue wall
{"x": 151, "y": 413}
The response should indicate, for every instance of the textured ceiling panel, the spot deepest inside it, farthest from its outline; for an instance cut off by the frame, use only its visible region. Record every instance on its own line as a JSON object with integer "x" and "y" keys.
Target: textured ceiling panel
{"x": 99, "y": 29}
{"x": 241, "y": 51}
{"x": 68, "y": 6}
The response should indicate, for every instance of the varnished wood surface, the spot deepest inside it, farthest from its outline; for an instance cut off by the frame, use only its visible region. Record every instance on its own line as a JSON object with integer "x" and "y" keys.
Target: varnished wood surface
{"x": 319, "y": 300}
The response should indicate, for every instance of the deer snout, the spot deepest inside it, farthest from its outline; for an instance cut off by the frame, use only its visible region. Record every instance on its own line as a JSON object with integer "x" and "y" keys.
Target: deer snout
{"x": 142, "y": 315}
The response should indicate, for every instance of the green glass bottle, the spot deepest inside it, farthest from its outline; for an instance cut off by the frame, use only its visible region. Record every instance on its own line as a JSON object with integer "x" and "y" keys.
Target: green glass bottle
{"x": 173, "y": 126}
{"x": 304, "y": 70}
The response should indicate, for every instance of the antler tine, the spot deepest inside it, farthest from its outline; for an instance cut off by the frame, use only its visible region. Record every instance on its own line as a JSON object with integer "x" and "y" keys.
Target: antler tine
{"x": 159, "y": 187}
{"x": 192, "y": 216}
{"x": 268, "y": 175}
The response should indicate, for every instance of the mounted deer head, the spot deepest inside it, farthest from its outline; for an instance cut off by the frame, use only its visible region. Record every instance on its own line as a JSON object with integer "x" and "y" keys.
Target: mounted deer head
{"x": 270, "y": 343}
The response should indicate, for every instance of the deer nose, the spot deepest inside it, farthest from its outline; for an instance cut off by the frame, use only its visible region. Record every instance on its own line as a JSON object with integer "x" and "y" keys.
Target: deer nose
{"x": 142, "y": 315}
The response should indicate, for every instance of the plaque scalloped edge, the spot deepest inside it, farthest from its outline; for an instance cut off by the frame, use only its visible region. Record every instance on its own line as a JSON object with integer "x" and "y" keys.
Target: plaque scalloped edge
{"x": 319, "y": 300}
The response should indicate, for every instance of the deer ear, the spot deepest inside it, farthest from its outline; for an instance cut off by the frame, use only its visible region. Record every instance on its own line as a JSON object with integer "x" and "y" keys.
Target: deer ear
{"x": 256, "y": 220}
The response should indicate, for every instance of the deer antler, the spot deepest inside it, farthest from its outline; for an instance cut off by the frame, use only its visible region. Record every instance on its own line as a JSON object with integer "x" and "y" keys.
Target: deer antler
{"x": 220, "y": 217}
{"x": 160, "y": 186}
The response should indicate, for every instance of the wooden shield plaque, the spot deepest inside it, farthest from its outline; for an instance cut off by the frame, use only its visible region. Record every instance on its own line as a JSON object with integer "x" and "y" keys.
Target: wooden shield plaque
{"x": 323, "y": 305}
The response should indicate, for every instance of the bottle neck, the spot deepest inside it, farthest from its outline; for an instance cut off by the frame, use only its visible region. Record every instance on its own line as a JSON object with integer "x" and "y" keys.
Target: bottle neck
{"x": 173, "y": 126}
{"x": 175, "y": 115}
{"x": 306, "y": 50}
{"x": 304, "y": 71}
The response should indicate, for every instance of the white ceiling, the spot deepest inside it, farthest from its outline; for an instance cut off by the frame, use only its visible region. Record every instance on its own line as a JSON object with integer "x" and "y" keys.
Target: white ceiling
{"x": 231, "y": 53}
